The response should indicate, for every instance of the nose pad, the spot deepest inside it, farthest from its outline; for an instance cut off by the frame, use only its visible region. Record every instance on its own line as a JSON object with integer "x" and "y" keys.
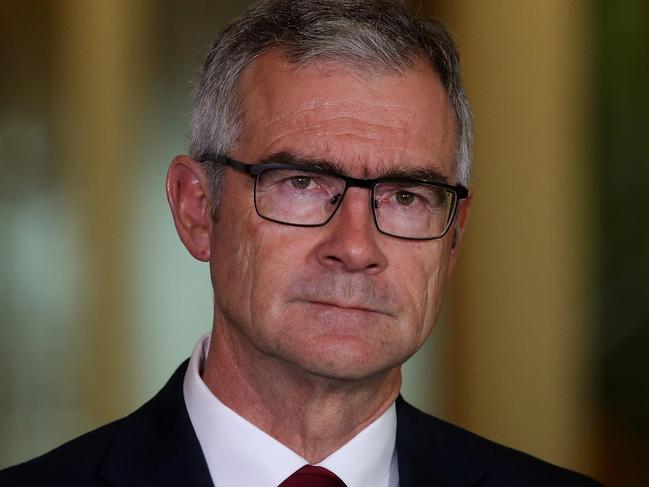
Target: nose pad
{"x": 335, "y": 199}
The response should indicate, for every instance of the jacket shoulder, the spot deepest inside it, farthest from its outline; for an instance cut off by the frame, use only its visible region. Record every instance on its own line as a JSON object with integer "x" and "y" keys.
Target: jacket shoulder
{"x": 453, "y": 452}
{"x": 76, "y": 462}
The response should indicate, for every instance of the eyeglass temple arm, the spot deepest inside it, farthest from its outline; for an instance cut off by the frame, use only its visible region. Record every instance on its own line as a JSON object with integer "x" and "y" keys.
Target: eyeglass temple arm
{"x": 461, "y": 191}
{"x": 225, "y": 160}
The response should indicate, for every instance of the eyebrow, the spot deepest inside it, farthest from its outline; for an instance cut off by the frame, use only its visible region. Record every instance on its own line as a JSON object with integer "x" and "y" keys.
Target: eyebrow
{"x": 420, "y": 173}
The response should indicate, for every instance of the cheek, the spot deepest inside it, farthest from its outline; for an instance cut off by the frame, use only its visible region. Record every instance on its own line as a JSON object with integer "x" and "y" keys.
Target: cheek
{"x": 234, "y": 258}
{"x": 425, "y": 276}
{"x": 436, "y": 288}
{"x": 280, "y": 255}
{"x": 253, "y": 268}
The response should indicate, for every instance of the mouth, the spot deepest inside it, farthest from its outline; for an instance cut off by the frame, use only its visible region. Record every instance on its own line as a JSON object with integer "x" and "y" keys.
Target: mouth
{"x": 348, "y": 307}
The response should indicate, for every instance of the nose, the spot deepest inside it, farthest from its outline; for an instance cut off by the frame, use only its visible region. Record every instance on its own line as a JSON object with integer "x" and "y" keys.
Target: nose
{"x": 351, "y": 237}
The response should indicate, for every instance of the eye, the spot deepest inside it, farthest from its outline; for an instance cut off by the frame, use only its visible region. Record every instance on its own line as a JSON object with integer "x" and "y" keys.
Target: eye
{"x": 300, "y": 182}
{"x": 404, "y": 198}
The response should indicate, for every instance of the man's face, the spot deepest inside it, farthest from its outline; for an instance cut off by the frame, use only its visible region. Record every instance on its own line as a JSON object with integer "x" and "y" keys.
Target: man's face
{"x": 343, "y": 300}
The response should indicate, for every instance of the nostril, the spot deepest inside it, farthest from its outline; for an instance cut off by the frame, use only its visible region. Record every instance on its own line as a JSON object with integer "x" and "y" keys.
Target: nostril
{"x": 334, "y": 260}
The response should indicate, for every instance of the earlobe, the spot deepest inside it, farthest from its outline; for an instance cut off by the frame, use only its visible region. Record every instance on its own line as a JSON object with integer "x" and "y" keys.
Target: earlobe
{"x": 187, "y": 194}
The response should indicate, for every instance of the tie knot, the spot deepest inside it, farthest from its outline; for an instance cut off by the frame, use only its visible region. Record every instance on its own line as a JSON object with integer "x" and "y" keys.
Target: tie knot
{"x": 312, "y": 476}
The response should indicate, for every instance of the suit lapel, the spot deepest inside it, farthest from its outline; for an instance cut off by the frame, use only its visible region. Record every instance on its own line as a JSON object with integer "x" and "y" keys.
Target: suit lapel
{"x": 156, "y": 445}
{"x": 428, "y": 455}
{"x": 413, "y": 469}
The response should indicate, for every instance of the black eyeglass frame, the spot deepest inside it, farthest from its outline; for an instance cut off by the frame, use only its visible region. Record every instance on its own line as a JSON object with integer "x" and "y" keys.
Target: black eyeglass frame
{"x": 253, "y": 170}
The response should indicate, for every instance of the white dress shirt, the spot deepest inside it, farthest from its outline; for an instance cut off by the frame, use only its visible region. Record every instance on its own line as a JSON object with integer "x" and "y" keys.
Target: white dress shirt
{"x": 239, "y": 454}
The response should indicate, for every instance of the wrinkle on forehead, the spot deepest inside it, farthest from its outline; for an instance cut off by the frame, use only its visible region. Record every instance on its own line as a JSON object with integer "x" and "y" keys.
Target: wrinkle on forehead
{"x": 363, "y": 156}
{"x": 329, "y": 110}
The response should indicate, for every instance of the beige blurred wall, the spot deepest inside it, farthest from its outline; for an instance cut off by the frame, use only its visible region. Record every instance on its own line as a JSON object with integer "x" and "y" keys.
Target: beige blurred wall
{"x": 93, "y": 283}
{"x": 511, "y": 360}
{"x": 102, "y": 69}
{"x": 520, "y": 369}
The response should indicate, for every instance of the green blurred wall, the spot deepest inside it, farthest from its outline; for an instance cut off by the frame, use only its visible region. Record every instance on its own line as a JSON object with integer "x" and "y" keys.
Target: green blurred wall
{"x": 622, "y": 146}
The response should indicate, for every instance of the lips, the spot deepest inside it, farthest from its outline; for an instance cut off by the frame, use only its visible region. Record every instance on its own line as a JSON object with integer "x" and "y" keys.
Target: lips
{"x": 345, "y": 292}
{"x": 348, "y": 306}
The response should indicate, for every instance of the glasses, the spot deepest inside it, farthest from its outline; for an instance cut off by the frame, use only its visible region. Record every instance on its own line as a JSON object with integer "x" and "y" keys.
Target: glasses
{"x": 308, "y": 196}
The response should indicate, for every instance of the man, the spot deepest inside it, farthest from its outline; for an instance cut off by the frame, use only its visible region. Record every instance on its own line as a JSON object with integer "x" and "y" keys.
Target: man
{"x": 326, "y": 188}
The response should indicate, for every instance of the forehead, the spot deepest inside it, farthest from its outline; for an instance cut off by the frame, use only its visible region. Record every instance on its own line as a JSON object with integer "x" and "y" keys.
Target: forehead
{"x": 366, "y": 121}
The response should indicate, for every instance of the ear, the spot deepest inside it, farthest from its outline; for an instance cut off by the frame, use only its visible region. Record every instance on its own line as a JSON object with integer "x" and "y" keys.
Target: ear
{"x": 457, "y": 230}
{"x": 187, "y": 193}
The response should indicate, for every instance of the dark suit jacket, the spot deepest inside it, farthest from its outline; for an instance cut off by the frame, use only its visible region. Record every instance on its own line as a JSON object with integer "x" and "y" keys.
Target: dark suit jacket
{"x": 156, "y": 446}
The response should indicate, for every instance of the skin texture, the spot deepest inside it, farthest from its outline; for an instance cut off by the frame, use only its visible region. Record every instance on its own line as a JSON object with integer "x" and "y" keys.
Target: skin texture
{"x": 311, "y": 325}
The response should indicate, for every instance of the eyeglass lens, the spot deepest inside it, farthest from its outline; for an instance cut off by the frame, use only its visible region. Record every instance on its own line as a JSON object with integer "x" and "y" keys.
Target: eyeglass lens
{"x": 403, "y": 209}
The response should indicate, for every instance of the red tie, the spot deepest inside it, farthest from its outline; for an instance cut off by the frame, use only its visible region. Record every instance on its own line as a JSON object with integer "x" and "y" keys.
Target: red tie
{"x": 311, "y": 476}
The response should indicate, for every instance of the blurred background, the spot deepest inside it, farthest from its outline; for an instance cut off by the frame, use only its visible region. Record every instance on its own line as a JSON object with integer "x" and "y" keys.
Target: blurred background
{"x": 544, "y": 340}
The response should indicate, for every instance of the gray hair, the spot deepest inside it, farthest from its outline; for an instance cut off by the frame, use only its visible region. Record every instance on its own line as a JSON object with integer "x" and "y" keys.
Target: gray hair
{"x": 375, "y": 35}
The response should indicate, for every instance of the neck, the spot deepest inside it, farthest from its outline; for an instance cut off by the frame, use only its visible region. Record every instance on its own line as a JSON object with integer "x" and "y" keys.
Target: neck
{"x": 310, "y": 414}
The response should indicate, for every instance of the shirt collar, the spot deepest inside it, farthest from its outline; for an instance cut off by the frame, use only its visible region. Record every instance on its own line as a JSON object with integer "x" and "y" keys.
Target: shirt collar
{"x": 239, "y": 453}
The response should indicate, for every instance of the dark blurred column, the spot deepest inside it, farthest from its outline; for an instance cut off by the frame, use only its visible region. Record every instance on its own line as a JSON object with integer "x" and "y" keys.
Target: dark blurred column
{"x": 622, "y": 43}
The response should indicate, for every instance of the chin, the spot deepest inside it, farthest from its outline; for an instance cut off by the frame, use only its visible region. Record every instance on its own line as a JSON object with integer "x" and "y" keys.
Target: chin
{"x": 339, "y": 343}
{"x": 344, "y": 358}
